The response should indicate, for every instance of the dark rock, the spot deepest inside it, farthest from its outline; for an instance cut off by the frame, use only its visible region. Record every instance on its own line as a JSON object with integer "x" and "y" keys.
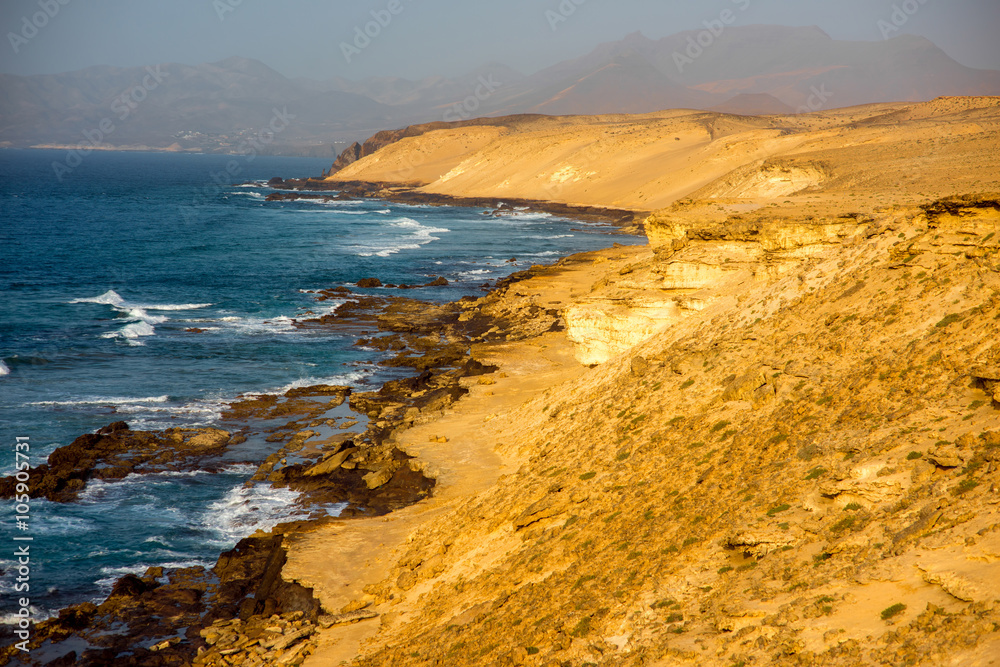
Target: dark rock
{"x": 369, "y": 282}
{"x": 437, "y": 282}
{"x": 277, "y": 180}
{"x": 318, "y": 390}
{"x": 129, "y": 586}
{"x": 114, "y": 427}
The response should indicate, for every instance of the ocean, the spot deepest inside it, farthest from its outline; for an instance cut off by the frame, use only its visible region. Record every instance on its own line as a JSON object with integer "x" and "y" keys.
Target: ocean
{"x": 107, "y": 269}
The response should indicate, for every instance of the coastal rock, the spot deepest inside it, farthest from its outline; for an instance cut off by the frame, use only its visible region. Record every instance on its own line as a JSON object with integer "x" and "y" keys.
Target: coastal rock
{"x": 209, "y": 438}
{"x": 114, "y": 452}
{"x": 330, "y": 463}
{"x": 319, "y": 390}
{"x": 378, "y": 478}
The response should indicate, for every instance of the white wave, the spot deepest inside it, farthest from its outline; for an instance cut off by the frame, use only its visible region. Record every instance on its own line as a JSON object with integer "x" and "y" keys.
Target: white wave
{"x": 351, "y": 379}
{"x": 4, "y": 368}
{"x": 476, "y": 274}
{"x": 243, "y": 469}
{"x": 406, "y": 222}
{"x": 62, "y": 525}
{"x": 115, "y": 573}
{"x": 131, "y": 332}
{"x": 255, "y": 195}
{"x": 37, "y": 614}
{"x": 141, "y": 322}
{"x": 140, "y": 314}
{"x": 331, "y": 202}
{"x": 261, "y": 325}
{"x": 245, "y": 510}
{"x": 111, "y": 298}
{"x": 151, "y": 414}
{"x": 106, "y": 400}
{"x": 176, "y": 306}
{"x": 550, "y": 238}
{"x": 419, "y": 235}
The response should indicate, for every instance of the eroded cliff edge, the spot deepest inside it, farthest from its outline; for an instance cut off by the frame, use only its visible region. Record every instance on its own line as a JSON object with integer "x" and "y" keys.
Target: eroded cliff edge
{"x": 771, "y": 437}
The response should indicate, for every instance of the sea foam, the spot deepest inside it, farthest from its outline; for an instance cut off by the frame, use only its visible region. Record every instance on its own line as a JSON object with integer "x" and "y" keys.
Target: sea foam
{"x": 140, "y": 322}
{"x": 418, "y": 235}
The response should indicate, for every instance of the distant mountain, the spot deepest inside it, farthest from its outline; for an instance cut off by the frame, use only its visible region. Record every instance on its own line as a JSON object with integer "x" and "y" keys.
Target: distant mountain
{"x": 788, "y": 64}
{"x": 212, "y": 107}
{"x": 750, "y": 70}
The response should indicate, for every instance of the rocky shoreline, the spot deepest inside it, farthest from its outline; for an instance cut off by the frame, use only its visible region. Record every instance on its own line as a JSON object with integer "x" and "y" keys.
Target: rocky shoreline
{"x": 241, "y": 608}
{"x": 628, "y": 221}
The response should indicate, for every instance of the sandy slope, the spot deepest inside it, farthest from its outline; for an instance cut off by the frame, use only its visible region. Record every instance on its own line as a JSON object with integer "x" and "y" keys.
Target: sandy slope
{"x": 769, "y": 438}
{"x": 883, "y": 153}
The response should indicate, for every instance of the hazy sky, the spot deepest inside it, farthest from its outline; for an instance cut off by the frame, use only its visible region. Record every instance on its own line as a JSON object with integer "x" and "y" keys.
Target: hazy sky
{"x": 433, "y": 37}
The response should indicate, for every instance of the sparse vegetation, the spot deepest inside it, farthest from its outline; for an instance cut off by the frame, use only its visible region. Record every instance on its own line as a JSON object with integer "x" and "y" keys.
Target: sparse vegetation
{"x": 949, "y": 319}
{"x": 894, "y": 610}
{"x": 844, "y": 524}
{"x": 779, "y": 509}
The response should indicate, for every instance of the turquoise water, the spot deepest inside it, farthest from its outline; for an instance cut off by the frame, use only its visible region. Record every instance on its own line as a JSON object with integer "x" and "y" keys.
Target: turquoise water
{"x": 105, "y": 270}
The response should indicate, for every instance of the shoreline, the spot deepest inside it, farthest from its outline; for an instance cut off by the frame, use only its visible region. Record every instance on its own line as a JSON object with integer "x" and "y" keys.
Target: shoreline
{"x": 628, "y": 221}
{"x": 461, "y": 449}
{"x": 152, "y": 583}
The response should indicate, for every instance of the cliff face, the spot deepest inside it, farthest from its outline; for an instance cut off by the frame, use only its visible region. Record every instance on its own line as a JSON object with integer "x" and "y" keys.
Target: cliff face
{"x": 801, "y": 469}
{"x": 771, "y": 437}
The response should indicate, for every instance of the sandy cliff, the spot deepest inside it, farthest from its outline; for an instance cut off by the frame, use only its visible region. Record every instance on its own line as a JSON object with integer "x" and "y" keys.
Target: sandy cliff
{"x": 871, "y": 155}
{"x": 769, "y": 437}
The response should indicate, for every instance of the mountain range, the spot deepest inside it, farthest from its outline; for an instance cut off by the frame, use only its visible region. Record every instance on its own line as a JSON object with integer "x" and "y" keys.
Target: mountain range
{"x": 220, "y": 107}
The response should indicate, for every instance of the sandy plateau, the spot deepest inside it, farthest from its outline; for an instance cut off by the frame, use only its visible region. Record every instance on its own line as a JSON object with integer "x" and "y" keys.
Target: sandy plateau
{"x": 770, "y": 437}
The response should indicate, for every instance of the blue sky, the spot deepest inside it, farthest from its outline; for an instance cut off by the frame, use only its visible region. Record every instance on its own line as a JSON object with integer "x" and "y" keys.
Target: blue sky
{"x": 432, "y": 37}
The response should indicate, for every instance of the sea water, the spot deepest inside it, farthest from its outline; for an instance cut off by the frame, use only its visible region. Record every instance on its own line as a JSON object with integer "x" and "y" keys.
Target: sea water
{"x": 107, "y": 269}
